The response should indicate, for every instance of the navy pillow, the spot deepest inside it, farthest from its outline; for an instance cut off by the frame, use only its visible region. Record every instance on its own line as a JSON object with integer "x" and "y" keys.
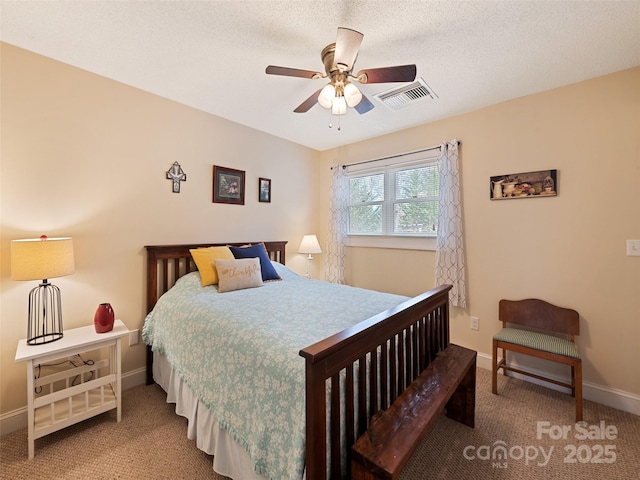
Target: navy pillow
{"x": 258, "y": 250}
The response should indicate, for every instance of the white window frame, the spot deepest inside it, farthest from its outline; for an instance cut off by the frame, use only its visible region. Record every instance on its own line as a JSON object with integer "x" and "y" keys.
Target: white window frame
{"x": 408, "y": 241}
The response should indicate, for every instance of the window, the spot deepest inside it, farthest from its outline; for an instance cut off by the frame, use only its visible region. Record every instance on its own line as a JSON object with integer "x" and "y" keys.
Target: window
{"x": 395, "y": 200}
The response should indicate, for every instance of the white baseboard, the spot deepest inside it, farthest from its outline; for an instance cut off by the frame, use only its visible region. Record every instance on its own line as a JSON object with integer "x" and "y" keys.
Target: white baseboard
{"x": 611, "y": 397}
{"x": 12, "y": 421}
{"x": 134, "y": 378}
{"x": 17, "y": 419}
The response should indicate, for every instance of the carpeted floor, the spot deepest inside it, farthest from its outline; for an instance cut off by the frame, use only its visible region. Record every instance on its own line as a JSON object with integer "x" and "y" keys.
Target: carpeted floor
{"x": 528, "y": 420}
{"x": 151, "y": 443}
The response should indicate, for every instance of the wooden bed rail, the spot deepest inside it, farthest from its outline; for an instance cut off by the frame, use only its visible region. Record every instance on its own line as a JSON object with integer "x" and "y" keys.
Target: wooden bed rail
{"x": 362, "y": 370}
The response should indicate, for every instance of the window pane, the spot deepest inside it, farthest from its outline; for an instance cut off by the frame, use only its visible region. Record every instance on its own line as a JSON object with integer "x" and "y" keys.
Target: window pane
{"x": 366, "y": 189}
{"x": 395, "y": 201}
{"x": 416, "y": 217}
{"x": 365, "y": 219}
{"x": 421, "y": 182}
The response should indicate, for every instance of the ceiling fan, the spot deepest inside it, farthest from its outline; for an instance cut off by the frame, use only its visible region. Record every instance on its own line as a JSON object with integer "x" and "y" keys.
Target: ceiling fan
{"x": 338, "y": 59}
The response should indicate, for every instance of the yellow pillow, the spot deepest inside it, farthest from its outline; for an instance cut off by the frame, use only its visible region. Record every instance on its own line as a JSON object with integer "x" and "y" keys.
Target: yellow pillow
{"x": 205, "y": 261}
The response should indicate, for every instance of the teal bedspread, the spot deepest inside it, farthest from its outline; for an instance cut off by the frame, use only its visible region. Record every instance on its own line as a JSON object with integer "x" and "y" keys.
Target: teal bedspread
{"x": 238, "y": 351}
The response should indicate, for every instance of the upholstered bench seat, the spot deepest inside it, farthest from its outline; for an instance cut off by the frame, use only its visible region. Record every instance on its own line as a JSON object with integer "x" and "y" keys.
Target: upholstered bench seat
{"x": 539, "y": 341}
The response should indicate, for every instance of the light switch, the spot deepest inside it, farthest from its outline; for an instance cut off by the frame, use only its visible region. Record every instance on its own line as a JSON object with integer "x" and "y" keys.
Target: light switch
{"x": 633, "y": 248}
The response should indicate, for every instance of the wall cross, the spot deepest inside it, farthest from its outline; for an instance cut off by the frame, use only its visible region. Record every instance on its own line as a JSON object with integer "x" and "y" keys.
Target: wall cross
{"x": 176, "y": 175}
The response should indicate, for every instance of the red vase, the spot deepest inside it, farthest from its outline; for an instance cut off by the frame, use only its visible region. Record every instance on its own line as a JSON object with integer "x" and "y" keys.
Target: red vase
{"x": 103, "y": 319}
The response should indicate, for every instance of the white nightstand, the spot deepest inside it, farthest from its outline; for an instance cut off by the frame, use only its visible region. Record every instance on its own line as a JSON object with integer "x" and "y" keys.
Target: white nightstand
{"x": 74, "y": 394}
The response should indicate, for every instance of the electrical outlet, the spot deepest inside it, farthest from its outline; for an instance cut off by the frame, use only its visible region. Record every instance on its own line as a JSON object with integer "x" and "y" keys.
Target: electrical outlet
{"x": 133, "y": 337}
{"x": 475, "y": 323}
{"x": 633, "y": 248}
{"x": 76, "y": 360}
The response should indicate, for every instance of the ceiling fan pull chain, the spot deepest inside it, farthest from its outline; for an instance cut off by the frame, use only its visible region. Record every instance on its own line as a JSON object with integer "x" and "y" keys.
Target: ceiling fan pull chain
{"x": 331, "y": 120}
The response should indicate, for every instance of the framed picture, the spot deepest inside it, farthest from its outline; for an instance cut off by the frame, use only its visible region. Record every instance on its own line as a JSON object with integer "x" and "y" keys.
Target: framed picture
{"x": 543, "y": 183}
{"x": 228, "y": 185}
{"x": 264, "y": 190}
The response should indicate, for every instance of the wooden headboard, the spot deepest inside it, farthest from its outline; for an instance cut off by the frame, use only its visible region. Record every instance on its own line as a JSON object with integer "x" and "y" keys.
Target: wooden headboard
{"x": 167, "y": 263}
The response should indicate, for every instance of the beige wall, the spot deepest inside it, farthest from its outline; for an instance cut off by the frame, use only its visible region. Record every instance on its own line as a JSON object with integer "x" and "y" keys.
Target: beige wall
{"x": 569, "y": 250}
{"x": 86, "y": 157}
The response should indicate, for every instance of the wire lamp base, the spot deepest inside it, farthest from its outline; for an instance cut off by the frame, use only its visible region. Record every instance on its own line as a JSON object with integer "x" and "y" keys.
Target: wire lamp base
{"x": 45, "y": 314}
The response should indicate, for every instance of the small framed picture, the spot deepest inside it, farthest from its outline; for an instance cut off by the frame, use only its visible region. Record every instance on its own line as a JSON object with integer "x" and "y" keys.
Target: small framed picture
{"x": 543, "y": 183}
{"x": 228, "y": 185}
{"x": 264, "y": 190}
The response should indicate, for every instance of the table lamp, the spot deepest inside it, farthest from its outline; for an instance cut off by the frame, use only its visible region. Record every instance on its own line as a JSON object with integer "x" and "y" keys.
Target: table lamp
{"x": 43, "y": 258}
{"x": 309, "y": 245}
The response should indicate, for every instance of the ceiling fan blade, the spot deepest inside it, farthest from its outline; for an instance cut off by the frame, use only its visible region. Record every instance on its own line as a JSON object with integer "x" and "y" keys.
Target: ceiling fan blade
{"x": 292, "y": 72}
{"x": 347, "y": 45}
{"x": 401, "y": 73}
{"x": 308, "y": 103}
{"x": 364, "y": 105}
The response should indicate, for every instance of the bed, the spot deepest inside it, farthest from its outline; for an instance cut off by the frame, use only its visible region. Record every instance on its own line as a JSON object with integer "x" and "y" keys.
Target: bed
{"x": 332, "y": 385}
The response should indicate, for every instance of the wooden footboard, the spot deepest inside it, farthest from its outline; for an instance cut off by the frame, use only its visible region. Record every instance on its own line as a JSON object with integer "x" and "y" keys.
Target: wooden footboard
{"x": 362, "y": 370}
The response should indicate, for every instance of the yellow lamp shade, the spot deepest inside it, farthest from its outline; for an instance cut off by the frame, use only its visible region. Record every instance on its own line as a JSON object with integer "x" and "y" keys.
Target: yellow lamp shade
{"x": 41, "y": 258}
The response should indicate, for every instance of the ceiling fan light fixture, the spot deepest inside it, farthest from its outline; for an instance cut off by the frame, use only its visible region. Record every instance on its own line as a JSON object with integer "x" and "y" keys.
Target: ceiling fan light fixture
{"x": 327, "y": 94}
{"x": 338, "y": 59}
{"x": 352, "y": 95}
{"x": 339, "y": 106}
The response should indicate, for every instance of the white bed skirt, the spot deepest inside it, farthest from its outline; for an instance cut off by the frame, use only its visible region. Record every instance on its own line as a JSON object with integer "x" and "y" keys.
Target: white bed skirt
{"x": 229, "y": 458}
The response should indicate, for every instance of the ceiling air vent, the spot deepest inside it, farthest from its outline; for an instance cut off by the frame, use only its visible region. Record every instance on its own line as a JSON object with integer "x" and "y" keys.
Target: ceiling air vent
{"x": 412, "y": 94}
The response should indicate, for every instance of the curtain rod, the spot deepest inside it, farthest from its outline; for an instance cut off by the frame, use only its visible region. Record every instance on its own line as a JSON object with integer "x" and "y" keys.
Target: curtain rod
{"x": 437, "y": 147}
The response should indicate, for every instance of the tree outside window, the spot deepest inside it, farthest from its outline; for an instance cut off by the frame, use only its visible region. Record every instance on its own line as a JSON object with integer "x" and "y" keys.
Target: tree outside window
{"x": 395, "y": 201}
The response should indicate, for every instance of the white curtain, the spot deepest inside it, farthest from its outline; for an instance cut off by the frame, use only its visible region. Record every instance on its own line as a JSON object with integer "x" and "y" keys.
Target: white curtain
{"x": 450, "y": 241}
{"x": 338, "y": 225}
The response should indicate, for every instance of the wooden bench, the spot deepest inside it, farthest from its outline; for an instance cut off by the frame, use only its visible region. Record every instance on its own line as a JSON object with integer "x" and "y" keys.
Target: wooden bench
{"x": 543, "y": 323}
{"x": 393, "y": 434}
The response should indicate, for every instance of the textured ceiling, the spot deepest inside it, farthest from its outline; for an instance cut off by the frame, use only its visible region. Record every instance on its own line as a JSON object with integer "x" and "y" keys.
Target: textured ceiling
{"x": 212, "y": 55}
